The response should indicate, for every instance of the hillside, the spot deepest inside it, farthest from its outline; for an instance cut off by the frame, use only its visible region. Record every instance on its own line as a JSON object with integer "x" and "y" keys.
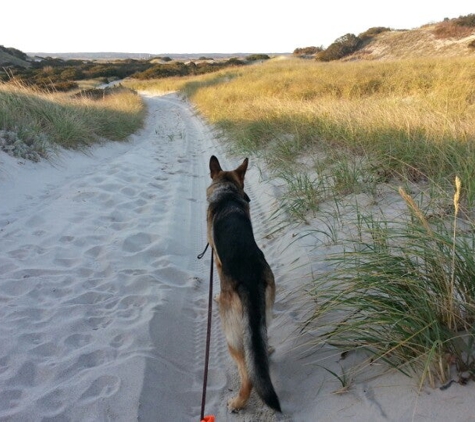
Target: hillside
{"x": 449, "y": 38}
{"x": 13, "y": 57}
{"x": 420, "y": 42}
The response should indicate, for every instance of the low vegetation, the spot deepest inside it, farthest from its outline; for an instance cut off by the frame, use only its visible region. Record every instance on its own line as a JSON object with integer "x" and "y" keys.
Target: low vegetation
{"x": 49, "y": 73}
{"x": 402, "y": 291}
{"x": 35, "y": 123}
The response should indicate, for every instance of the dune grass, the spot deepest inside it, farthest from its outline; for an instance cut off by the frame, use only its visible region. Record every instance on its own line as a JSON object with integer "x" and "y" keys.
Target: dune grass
{"x": 34, "y": 123}
{"x": 403, "y": 292}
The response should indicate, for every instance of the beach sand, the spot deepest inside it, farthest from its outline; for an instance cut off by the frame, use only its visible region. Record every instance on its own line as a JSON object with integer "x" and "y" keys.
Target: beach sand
{"x": 103, "y": 303}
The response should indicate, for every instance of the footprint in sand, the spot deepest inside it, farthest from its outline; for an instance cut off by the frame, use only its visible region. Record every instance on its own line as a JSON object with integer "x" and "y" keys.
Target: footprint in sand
{"x": 35, "y": 221}
{"x": 102, "y": 387}
{"x": 130, "y": 192}
{"x": 136, "y": 242}
{"x": 97, "y": 323}
{"x": 10, "y": 399}
{"x": 76, "y": 341}
{"x": 25, "y": 376}
{"x": 45, "y": 350}
{"x": 52, "y": 402}
{"x": 121, "y": 340}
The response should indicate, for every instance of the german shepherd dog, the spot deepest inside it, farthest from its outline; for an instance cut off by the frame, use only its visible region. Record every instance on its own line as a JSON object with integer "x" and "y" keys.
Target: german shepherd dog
{"x": 247, "y": 283}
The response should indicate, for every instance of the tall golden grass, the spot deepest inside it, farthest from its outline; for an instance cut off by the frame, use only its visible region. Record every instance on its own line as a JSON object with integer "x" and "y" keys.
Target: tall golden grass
{"x": 411, "y": 117}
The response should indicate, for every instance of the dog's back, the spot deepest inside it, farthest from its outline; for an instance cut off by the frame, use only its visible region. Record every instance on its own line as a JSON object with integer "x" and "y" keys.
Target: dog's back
{"x": 247, "y": 283}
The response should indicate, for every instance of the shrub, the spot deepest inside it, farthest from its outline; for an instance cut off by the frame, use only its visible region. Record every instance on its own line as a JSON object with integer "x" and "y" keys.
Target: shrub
{"x": 234, "y": 62}
{"x": 343, "y": 46}
{"x": 307, "y": 51}
{"x": 29, "y": 145}
{"x": 255, "y": 57}
{"x": 456, "y": 28}
{"x": 372, "y": 32}
{"x": 72, "y": 73}
{"x": 468, "y": 20}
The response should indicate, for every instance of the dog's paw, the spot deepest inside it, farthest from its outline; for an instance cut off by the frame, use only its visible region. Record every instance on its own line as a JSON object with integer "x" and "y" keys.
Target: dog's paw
{"x": 216, "y": 298}
{"x": 235, "y": 404}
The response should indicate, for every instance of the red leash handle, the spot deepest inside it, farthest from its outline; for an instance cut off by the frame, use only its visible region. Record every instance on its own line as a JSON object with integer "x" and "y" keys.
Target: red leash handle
{"x": 209, "y": 418}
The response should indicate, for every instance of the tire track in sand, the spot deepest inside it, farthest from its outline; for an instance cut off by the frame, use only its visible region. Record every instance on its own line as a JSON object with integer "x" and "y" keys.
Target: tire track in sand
{"x": 175, "y": 328}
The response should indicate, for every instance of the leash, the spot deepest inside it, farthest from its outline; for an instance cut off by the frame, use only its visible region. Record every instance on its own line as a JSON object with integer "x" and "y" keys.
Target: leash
{"x": 209, "y": 418}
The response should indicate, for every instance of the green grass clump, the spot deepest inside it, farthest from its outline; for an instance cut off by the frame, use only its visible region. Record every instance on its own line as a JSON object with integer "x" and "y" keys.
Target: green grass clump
{"x": 44, "y": 121}
{"x": 404, "y": 292}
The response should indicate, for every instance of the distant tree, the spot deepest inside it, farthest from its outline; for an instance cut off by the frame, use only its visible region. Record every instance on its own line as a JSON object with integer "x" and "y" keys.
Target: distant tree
{"x": 343, "y": 46}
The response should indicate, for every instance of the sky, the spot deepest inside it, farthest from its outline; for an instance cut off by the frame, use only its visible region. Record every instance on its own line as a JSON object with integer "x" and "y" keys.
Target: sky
{"x": 206, "y": 26}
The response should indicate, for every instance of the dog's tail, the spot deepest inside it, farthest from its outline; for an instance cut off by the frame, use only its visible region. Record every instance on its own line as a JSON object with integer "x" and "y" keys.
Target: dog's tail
{"x": 256, "y": 348}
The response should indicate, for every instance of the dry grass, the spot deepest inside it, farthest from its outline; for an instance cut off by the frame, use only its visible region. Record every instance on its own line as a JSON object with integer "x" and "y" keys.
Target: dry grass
{"x": 418, "y": 43}
{"x": 414, "y": 118}
{"x": 42, "y": 120}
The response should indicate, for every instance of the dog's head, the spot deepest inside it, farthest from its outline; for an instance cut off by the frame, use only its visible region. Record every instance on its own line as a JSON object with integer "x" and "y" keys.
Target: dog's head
{"x": 234, "y": 176}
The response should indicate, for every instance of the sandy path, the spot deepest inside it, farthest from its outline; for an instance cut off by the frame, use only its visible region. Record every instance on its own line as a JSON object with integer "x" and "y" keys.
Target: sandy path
{"x": 100, "y": 289}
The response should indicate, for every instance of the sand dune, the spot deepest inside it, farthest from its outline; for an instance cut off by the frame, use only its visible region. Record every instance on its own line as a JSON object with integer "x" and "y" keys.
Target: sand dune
{"x": 104, "y": 304}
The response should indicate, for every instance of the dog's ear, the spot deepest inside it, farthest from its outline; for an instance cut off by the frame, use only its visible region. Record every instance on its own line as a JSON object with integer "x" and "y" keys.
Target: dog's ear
{"x": 214, "y": 166}
{"x": 241, "y": 170}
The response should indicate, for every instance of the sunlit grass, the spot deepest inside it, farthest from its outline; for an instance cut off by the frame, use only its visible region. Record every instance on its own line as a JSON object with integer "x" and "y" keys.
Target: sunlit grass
{"x": 411, "y": 118}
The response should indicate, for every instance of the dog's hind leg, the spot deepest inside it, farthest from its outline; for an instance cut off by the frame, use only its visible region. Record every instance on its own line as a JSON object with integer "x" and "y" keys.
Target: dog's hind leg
{"x": 238, "y": 402}
{"x": 230, "y": 309}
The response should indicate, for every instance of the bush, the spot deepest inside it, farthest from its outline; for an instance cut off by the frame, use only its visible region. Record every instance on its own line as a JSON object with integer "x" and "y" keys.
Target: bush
{"x": 29, "y": 145}
{"x": 255, "y": 57}
{"x": 456, "y": 28}
{"x": 307, "y": 51}
{"x": 234, "y": 62}
{"x": 343, "y": 46}
{"x": 372, "y": 32}
{"x": 450, "y": 30}
{"x": 468, "y": 21}
{"x": 72, "y": 73}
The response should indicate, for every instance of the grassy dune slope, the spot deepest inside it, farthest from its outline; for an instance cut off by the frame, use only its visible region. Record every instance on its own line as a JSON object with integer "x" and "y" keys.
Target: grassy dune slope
{"x": 34, "y": 123}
